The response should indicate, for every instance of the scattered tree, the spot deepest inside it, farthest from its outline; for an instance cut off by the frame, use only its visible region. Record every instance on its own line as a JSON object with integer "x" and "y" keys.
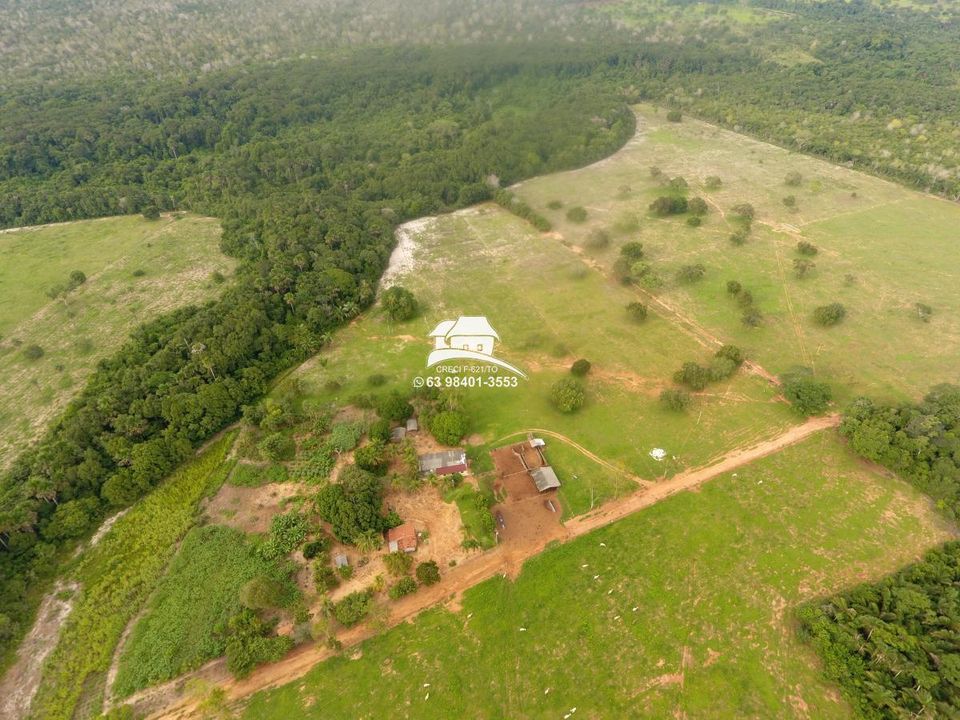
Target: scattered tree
{"x": 637, "y": 312}
{"x": 398, "y": 563}
{"x": 404, "y": 586}
{"x": 806, "y": 395}
{"x": 580, "y": 367}
{"x": 803, "y": 267}
{"x": 353, "y": 608}
{"x": 712, "y": 182}
{"x": 924, "y": 312}
{"x": 693, "y": 376}
{"x": 828, "y": 315}
{"x": 567, "y": 395}
{"x": 697, "y": 206}
{"x": 448, "y": 426}
{"x": 691, "y": 273}
{"x": 734, "y": 287}
{"x": 793, "y": 179}
{"x": 576, "y": 214}
{"x": 632, "y": 251}
{"x": 805, "y": 247}
{"x": 675, "y": 399}
{"x": 399, "y": 303}
{"x": 668, "y": 205}
{"x": 674, "y": 116}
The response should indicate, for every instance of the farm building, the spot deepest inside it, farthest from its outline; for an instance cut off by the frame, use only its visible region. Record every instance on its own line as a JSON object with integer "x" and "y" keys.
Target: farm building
{"x": 412, "y": 425}
{"x": 445, "y": 462}
{"x": 340, "y": 560}
{"x": 398, "y": 434}
{"x": 402, "y": 538}
{"x": 545, "y": 478}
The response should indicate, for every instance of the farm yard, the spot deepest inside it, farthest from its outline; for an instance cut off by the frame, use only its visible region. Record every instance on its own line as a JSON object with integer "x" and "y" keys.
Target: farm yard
{"x": 52, "y": 335}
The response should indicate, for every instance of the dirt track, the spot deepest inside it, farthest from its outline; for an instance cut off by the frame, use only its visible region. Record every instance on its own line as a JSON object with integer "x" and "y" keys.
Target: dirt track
{"x": 168, "y": 701}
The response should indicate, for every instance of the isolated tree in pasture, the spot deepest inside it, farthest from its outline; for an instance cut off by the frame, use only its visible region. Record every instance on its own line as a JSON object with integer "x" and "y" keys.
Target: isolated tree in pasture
{"x": 580, "y": 367}
{"x": 674, "y": 116}
{"x": 807, "y": 395}
{"x": 577, "y": 214}
{"x": 655, "y": 173}
{"x": 924, "y": 312}
{"x": 598, "y": 239}
{"x": 752, "y": 318}
{"x": 805, "y": 247}
{"x": 697, "y": 206}
{"x": 676, "y": 399}
{"x": 712, "y": 182}
{"x": 738, "y": 237}
{"x": 744, "y": 211}
{"x": 567, "y": 395}
{"x": 33, "y": 352}
{"x": 790, "y": 201}
{"x": 734, "y": 287}
{"x": 793, "y": 179}
{"x": 637, "y": 312}
{"x": 399, "y": 303}
{"x": 691, "y": 273}
{"x": 803, "y": 267}
{"x": 828, "y": 315}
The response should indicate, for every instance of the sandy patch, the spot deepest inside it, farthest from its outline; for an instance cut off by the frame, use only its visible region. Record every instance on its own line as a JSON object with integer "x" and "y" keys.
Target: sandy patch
{"x": 250, "y": 509}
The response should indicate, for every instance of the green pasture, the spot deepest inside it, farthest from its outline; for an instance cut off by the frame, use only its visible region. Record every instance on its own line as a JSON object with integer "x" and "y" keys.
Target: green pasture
{"x": 683, "y": 609}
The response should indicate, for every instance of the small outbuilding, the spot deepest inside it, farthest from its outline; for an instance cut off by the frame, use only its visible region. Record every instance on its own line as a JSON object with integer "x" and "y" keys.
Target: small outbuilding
{"x": 545, "y": 478}
{"x": 340, "y": 560}
{"x": 412, "y": 425}
{"x": 402, "y": 538}
{"x": 398, "y": 434}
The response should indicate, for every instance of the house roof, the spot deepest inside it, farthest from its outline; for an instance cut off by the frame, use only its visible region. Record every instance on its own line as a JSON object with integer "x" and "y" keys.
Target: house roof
{"x": 398, "y": 434}
{"x": 545, "y": 478}
{"x": 412, "y": 425}
{"x": 340, "y": 560}
{"x": 403, "y": 537}
{"x": 435, "y": 461}
{"x": 472, "y": 325}
{"x": 442, "y": 328}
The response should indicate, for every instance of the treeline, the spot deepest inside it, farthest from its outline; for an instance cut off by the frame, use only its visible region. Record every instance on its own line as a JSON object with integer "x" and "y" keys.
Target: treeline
{"x": 894, "y": 646}
{"x": 310, "y": 165}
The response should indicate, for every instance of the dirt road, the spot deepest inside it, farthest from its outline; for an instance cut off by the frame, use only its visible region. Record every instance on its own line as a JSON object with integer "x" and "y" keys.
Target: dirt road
{"x": 169, "y": 701}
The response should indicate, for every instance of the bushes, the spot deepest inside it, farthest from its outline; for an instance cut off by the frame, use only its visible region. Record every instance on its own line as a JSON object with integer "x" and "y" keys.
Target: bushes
{"x": 675, "y": 399}
{"x": 509, "y": 201}
{"x": 693, "y": 376}
{"x": 580, "y": 367}
{"x": 448, "y": 426}
{"x": 317, "y": 547}
{"x": 599, "y": 239}
{"x": 325, "y": 577}
{"x": 744, "y": 212}
{"x": 637, "y": 312}
{"x": 353, "y": 608}
{"x": 691, "y": 273}
{"x": 806, "y": 395}
{"x": 697, "y": 206}
{"x": 674, "y": 116}
{"x": 404, "y": 586}
{"x": 668, "y": 205}
{"x": 399, "y": 303}
{"x": 372, "y": 457}
{"x": 577, "y": 214}
{"x": 394, "y": 407}
{"x": 632, "y": 251}
{"x": 567, "y": 395}
{"x": 829, "y": 315}
{"x": 398, "y": 563}
{"x": 793, "y": 179}
{"x": 712, "y": 182}
{"x": 249, "y": 643}
{"x": 352, "y": 506}
{"x": 277, "y": 446}
{"x": 33, "y": 352}
{"x": 805, "y": 247}
{"x": 428, "y": 573}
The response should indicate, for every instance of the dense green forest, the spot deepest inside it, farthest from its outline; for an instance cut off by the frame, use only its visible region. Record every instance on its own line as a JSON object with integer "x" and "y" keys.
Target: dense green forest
{"x": 894, "y": 647}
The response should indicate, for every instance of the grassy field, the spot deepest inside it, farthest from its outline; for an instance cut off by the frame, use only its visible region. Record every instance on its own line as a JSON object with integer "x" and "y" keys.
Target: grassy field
{"x": 176, "y": 258}
{"x": 199, "y": 593}
{"x": 882, "y": 249}
{"x": 683, "y": 610}
{"x": 116, "y": 578}
{"x": 549, "y": 309}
